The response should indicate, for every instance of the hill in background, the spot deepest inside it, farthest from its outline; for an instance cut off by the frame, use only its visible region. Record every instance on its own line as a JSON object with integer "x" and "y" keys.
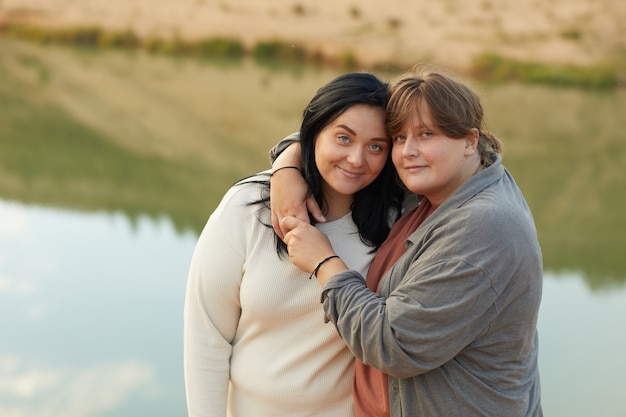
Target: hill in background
{"x": 450, "y": 32}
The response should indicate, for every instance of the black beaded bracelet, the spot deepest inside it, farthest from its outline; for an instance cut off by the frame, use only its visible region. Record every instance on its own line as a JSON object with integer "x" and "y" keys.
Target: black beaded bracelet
{"x": 285, "y": 167}
{"x": 317, "y": 268}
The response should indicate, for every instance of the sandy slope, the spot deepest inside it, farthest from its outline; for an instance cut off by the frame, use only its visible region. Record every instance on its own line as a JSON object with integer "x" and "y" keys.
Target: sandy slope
{"x": 405, "y": 31}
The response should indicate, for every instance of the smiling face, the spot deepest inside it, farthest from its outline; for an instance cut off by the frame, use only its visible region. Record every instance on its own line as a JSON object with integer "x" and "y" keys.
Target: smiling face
{"x": 350, "y": 152}
{"x": 430, "y": 163}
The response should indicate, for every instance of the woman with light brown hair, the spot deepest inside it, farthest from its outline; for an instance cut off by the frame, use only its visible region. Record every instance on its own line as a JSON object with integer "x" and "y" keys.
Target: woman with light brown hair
{"x": 445, "y": 324}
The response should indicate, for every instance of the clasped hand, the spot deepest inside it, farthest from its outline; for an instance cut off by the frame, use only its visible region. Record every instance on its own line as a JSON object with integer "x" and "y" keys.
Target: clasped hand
{"x": 306, "y": 245}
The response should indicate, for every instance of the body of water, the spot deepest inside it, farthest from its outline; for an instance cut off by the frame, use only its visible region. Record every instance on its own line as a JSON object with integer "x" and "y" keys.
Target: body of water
{"x": 110, "y": 163}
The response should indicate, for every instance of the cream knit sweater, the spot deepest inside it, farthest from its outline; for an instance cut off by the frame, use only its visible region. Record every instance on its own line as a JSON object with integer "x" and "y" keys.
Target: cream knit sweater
{"x": 255, "y": 341}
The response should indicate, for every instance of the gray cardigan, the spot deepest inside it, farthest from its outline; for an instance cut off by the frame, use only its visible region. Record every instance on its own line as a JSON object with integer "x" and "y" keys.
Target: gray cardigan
{"x": 454, "y": 325}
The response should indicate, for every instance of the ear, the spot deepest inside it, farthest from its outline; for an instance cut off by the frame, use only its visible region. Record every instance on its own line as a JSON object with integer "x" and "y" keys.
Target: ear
{"x": 471, "y": 142}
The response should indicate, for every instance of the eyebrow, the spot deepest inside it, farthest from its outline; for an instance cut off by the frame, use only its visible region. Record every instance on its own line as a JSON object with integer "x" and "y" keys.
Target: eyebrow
{"x": 347, "y": 128}
{"x": 385, "y": 139}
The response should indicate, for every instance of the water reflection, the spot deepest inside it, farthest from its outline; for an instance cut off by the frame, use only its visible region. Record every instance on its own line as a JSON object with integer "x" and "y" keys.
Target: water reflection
{"x": 91, "y": 318}
{"x": 41, "y": 390}
{"x": 582, "y": 341}
{"x": 90, "y": 314}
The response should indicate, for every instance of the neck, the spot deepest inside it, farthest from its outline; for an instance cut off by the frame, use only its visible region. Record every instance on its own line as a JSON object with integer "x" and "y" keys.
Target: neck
{"x": 337, "y": 205}
{"x": 479, "y": 168}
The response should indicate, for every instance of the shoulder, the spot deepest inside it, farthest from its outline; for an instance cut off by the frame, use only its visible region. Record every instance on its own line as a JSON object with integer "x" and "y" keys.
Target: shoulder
{"x": 246, "y": 191}
{"x": 498, "y": 215}
{"x": 243, "y": 198}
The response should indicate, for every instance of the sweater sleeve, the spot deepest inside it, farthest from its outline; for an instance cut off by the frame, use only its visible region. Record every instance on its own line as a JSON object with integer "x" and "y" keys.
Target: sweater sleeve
{"x": 212, "y": 311}
{"x": 282, "y": 145}
{"x": 438, "y": 304}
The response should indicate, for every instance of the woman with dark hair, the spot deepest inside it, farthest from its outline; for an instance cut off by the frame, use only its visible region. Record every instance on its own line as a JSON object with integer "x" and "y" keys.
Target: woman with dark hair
{"x": 445, "y": 324}
{"x": 255, "y": 342}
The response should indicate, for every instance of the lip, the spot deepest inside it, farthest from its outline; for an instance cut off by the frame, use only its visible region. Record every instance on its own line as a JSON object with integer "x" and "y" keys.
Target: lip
{"x": 349, "y": 173}
{"x": 415, "y": 168}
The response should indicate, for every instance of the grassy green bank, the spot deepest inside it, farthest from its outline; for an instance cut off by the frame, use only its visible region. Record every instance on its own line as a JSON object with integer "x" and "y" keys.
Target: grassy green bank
{"x": 486, "y": 67}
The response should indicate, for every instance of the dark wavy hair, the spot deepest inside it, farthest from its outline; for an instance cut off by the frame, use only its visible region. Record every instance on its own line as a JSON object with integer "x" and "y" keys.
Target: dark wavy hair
{"x": 376, "y": 206}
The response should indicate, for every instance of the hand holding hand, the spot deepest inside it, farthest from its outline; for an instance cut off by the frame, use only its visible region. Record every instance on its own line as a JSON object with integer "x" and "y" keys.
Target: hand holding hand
{"x": 307, "y": 247}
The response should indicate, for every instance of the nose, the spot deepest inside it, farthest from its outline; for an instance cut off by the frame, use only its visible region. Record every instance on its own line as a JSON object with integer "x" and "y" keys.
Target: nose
{"x": 356, "y": 157}
{"x": 410, "y": 147}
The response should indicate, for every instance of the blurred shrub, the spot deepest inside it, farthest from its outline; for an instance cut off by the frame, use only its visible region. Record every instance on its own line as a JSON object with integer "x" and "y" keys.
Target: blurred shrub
{"x": 278, "y": 50}
{"x": 491, "y": 67}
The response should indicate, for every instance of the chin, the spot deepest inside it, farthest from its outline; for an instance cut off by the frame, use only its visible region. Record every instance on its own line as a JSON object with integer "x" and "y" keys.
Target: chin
{"x": 347, "y": 191}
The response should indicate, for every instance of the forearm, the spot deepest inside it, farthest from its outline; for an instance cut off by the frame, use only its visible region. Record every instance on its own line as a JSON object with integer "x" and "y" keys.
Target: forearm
{"x": 400, "y": 332}
{"x": 206, "y": 357}
{"x": 328, "y": 267}
{"x": 361, "y": 318}
{"x": 206, "y": 376}
{"x": 289, "y": 193}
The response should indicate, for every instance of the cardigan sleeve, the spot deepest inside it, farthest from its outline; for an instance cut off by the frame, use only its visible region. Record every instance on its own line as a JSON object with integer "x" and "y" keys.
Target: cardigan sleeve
{"x": 431, "y": 307}
{"x": 282, "y": 145}
{"x": 212, "y": 311}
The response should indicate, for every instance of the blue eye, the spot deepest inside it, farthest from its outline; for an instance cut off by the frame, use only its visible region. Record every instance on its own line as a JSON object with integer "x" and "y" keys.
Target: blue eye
{"x": 343, "y": 139}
